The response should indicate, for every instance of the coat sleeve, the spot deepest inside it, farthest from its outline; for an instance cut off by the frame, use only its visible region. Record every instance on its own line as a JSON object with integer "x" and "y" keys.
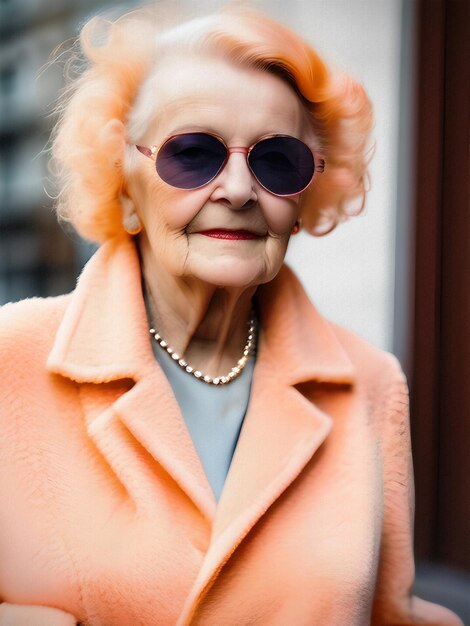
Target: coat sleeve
{"x": 394, "y": 603}
{"x": 12, "y": 614}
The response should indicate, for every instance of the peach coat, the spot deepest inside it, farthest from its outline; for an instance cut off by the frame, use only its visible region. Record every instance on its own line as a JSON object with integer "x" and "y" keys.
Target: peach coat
{"x": 106, "y": 513}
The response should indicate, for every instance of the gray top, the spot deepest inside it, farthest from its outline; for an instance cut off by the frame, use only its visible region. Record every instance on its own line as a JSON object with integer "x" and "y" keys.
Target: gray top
{"x": 213, "y": 414}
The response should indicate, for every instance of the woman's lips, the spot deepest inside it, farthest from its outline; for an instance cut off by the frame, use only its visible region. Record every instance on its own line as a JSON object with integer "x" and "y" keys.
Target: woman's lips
{"x": 217, "y": 233}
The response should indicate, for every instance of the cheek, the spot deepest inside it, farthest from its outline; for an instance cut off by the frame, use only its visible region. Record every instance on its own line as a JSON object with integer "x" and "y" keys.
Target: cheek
{"x": 170, "y": 208}
{"x": 280, "y": 213}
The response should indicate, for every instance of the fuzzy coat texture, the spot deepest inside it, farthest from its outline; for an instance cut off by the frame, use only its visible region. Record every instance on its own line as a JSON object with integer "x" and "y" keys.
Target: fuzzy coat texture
{"x": 108, "y": 519}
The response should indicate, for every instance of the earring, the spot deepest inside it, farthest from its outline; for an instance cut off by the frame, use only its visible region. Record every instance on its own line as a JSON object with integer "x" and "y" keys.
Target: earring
{"x": 132, "y": 224}
{"x": 297, "y": 226}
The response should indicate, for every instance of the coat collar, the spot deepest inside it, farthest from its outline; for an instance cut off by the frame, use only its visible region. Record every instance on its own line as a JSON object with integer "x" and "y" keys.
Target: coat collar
{"x": 104, "y": 333}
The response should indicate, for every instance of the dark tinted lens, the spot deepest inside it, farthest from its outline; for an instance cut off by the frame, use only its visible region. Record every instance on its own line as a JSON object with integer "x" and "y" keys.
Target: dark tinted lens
{"x": 284, "y": 165}
{"x": 190, "y": 160}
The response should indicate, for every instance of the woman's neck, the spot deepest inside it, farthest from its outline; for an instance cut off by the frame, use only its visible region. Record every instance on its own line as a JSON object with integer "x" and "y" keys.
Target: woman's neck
{"x": 206, "y": 324}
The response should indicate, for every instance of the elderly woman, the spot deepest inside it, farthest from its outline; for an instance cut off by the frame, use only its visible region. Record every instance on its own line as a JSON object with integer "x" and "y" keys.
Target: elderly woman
{"x": 185, "y": 440}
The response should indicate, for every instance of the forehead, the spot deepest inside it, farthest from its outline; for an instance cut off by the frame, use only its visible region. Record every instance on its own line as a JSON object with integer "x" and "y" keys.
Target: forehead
{"x": 239, "y": 103}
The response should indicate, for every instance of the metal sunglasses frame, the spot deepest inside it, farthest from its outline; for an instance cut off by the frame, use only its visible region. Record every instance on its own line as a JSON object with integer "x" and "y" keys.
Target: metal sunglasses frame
{"x": 153, "y": 151}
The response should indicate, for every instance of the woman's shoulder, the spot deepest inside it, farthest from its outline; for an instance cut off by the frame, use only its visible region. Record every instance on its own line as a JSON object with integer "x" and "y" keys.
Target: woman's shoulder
{"x": 376, "y": 365}
{"x": 14, "y": 314}
{"x": 30, "y": 324}
{"x": 361, "y": 349}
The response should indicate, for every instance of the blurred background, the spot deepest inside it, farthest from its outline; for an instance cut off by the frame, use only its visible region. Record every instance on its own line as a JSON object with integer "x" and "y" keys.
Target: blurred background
{"x": 398, "y": 274}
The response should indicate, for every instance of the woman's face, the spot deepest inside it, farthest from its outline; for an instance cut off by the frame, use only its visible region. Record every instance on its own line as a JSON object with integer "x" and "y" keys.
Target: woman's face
{"x": 240, "y": 105}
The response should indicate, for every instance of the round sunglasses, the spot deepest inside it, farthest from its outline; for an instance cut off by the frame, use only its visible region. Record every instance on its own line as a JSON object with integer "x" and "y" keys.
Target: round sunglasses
{"x": 283, "y": 165}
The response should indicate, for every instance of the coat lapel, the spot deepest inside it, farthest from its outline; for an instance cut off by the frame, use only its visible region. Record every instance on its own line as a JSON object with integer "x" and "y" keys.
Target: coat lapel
{"x": 151, "y": 413}
{"x": 282, "y": 429}
{"x": 103, "y": 338}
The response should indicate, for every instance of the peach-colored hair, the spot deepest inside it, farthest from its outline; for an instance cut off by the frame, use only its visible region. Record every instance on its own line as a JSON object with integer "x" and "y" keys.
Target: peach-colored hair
{"x": 88, "y": 151}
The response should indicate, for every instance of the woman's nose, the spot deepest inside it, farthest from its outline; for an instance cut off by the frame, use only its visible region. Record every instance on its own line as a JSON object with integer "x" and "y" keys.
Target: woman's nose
{"x": 235, "y": 183}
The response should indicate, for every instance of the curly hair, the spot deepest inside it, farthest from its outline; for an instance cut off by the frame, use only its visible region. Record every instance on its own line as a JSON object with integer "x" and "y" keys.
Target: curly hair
{"x": 116, "y": 58}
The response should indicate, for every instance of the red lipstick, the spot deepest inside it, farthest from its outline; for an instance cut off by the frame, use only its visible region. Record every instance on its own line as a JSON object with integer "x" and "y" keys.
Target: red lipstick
{"x": 217, "y": 233}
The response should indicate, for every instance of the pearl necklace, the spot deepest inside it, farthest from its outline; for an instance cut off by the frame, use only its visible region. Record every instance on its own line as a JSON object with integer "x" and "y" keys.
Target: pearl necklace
{"x": 219, "y": 380}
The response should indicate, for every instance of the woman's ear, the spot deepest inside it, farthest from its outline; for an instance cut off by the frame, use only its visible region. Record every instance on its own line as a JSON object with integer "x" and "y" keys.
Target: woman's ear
{"x": 130, "y": 220}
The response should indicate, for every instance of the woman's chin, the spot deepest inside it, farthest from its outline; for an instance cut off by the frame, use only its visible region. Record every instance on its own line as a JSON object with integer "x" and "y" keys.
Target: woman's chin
{"x": 230, "y": 271}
